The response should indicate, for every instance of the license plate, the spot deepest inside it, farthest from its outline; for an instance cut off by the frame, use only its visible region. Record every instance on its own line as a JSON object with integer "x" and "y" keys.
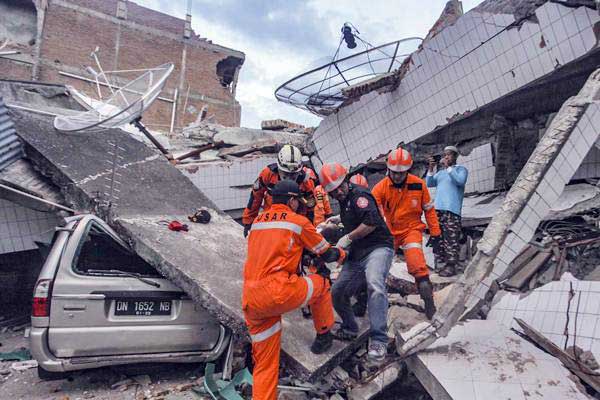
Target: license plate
{"x": 143, "y": 307}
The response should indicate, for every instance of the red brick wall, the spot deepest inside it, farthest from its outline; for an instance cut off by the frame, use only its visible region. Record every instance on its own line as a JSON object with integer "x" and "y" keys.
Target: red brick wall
{"x": 70, "y": 36}
{"x": 14, "y": 70}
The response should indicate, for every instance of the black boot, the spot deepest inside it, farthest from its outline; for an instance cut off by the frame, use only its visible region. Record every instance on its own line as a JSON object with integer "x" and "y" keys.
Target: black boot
{"x": 448, "y": 271}
{"x": 322, "y": 343}
{"x": 426, "y": 291}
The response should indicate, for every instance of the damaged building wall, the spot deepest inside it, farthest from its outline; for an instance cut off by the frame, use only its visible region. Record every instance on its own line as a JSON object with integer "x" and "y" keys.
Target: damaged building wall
{"x": 140, "y": 38}
{"x": 457, "y": 74}
{"x": 560, "y": 152}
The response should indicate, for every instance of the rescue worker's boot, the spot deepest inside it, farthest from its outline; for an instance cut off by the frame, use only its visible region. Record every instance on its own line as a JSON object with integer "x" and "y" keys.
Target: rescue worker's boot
{"x": 426, "y": 291}
{"x": 322, "y": 343}
{"x": 448, "y": 270}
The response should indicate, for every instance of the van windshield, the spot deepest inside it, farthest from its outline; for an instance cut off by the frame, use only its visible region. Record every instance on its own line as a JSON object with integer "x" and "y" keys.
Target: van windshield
{"x": 100, "y": 252}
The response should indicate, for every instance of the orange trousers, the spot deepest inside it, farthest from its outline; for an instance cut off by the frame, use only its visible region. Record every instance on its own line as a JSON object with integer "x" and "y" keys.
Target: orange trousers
{"x": 264, "y": 302}
{"x": 411, "y": 243}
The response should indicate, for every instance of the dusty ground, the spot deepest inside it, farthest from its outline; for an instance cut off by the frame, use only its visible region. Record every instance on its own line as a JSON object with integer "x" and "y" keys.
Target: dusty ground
{"x": 166, "y": 381}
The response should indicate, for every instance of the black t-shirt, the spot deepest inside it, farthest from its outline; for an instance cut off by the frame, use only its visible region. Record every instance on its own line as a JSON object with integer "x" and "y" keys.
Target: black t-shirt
{"x": 360, "y": 207}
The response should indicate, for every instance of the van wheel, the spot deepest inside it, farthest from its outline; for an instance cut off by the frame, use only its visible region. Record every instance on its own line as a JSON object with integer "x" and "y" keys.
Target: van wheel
{"x": 49, "y": 375}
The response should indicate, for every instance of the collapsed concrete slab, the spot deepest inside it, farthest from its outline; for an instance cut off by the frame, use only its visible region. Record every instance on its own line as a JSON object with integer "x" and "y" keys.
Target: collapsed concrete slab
{"x": 565, "y": 311}
{"x": 242, "y": 136}
{"x": 552, "y": 164}
{"x": 484, "y": 360}
{"x": 138, "y": 192}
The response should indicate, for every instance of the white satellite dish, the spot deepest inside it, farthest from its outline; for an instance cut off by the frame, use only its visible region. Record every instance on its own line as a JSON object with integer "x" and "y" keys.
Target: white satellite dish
{"x": 124, "y": 105}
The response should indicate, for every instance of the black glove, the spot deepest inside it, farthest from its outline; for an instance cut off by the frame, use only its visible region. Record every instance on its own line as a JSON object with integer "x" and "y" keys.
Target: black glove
{"x": 247, "y": 229}
{"x": 434, "y": 242}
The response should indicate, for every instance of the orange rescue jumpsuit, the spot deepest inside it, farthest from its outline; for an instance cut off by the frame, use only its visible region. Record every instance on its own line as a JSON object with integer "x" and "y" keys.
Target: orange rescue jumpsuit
{"x": 272, "y": 288}
{"x": 402, "y": 209}
{"x": 261, "y": 192}
{"x": 322, "y": 207}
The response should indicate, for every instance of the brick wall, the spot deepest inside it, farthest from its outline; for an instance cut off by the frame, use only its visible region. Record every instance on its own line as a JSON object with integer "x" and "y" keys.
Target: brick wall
{"x": 73, "y": 29}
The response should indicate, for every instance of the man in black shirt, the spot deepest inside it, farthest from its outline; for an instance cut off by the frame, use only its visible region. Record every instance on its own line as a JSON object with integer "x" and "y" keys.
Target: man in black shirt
{"x": 371, "y": 252}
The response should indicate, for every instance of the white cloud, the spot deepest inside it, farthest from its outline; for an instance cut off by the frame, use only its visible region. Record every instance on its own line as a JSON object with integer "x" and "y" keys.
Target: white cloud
{"x": 270, "y": 64}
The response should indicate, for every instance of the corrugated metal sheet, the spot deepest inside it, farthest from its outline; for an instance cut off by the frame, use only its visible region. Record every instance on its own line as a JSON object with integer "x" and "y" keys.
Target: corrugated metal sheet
{"x": 11, "y": 148}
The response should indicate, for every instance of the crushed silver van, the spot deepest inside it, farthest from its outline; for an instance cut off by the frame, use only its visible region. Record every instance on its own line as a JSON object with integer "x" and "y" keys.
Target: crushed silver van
{"x": 97, "y": 303}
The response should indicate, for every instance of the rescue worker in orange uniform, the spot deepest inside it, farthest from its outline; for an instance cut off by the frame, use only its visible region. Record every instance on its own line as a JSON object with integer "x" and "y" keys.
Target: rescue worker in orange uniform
{"x": 403, "y": 198}
{"x": 288, "y": 166}
{"x": 322, "y": 209}
{"x": 360, "y": 180}
{"x": 272, "y": 286}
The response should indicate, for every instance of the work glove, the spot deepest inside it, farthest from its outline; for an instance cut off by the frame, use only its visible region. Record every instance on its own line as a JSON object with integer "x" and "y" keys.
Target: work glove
{"x": 434, "y": 242}
{"x": 247, "y": 229}
{"x": 336, "y": 219}
{"x": 344, "y": 242}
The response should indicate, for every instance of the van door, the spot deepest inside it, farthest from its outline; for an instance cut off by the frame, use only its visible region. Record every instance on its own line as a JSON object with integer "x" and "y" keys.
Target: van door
{"x": 107, "y": 300}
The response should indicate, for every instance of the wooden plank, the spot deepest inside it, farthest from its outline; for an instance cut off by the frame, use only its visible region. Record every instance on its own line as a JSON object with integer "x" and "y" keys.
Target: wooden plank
{"x": 583, "y": 372}
{"x": 526, "y": 271}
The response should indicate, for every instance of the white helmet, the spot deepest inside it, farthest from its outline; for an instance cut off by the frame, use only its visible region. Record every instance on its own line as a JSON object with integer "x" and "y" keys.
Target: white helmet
{"x": 289, "y": 159}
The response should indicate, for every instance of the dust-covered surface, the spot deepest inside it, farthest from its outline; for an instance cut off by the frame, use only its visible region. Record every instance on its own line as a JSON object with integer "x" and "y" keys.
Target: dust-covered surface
{"x": 483, "y": 360}
{"x": 166, "y": 381}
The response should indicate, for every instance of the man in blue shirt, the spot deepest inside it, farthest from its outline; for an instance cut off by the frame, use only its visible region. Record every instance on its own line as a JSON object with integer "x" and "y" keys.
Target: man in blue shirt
{"x": 450, "y": 182}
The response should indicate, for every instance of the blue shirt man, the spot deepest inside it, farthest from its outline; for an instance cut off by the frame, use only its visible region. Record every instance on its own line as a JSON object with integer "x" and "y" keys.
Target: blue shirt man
{"x": 450, "y": 189}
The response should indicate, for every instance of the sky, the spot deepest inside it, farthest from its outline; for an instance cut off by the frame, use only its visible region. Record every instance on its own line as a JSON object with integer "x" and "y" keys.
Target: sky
{"x": 283, "y": 38}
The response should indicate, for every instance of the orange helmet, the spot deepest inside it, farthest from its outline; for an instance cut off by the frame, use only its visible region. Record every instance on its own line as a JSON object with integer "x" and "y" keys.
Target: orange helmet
{"x": 332, "y": 175}
{"x": 399, "y": 160}
{"x": 359, "y": 180}
{"x": 310, "y": 174}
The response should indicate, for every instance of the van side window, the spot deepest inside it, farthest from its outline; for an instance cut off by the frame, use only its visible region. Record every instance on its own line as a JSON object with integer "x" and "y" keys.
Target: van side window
{"x": 99, "y": 251}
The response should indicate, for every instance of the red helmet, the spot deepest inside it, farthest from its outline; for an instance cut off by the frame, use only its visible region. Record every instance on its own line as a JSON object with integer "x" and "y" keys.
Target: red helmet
{"x": 359, "y": 180}
{"x": 310, "y": 174}
{"x": 399, "y": 160}
{"x": 332, "y": 175}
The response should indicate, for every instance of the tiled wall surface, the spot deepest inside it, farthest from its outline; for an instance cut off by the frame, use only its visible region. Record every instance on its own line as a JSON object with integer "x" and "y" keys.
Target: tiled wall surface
{"x": 467, "y": 65}
{"x": 228, "y": 184}
{"x": 545, "y": 309}
{"x": 481, "y": 360}
{"x": 577, "y": 146}
{"x": 590, "y": 168}
{"x": 480, "y": 164}
{"x": 20, "y": 227}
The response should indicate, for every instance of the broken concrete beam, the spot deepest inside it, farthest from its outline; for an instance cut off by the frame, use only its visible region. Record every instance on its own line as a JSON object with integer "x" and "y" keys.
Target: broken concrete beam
{"x": 498, "y": 241}
{"x": 268, "y": 145}
{"x": 279, "y": 124}
{"x": 483, "y": 360}
{"x": 243, "y": 136}
{"x": 205, "y": 262}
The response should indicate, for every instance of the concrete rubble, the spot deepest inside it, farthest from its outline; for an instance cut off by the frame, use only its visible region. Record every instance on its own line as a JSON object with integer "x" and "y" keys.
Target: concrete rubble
{"x": 514, "y": 84}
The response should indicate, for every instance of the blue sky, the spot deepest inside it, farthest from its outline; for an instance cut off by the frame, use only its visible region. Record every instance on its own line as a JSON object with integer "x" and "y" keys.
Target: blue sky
{"x": 282, "y": 38}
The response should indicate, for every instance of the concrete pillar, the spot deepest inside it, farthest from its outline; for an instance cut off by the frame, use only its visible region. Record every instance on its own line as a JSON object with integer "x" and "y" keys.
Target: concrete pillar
{"x": 41, "y": 6}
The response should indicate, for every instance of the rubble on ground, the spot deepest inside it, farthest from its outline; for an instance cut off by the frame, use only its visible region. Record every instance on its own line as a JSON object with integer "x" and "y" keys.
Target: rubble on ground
{"x": 531, "y": 249}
